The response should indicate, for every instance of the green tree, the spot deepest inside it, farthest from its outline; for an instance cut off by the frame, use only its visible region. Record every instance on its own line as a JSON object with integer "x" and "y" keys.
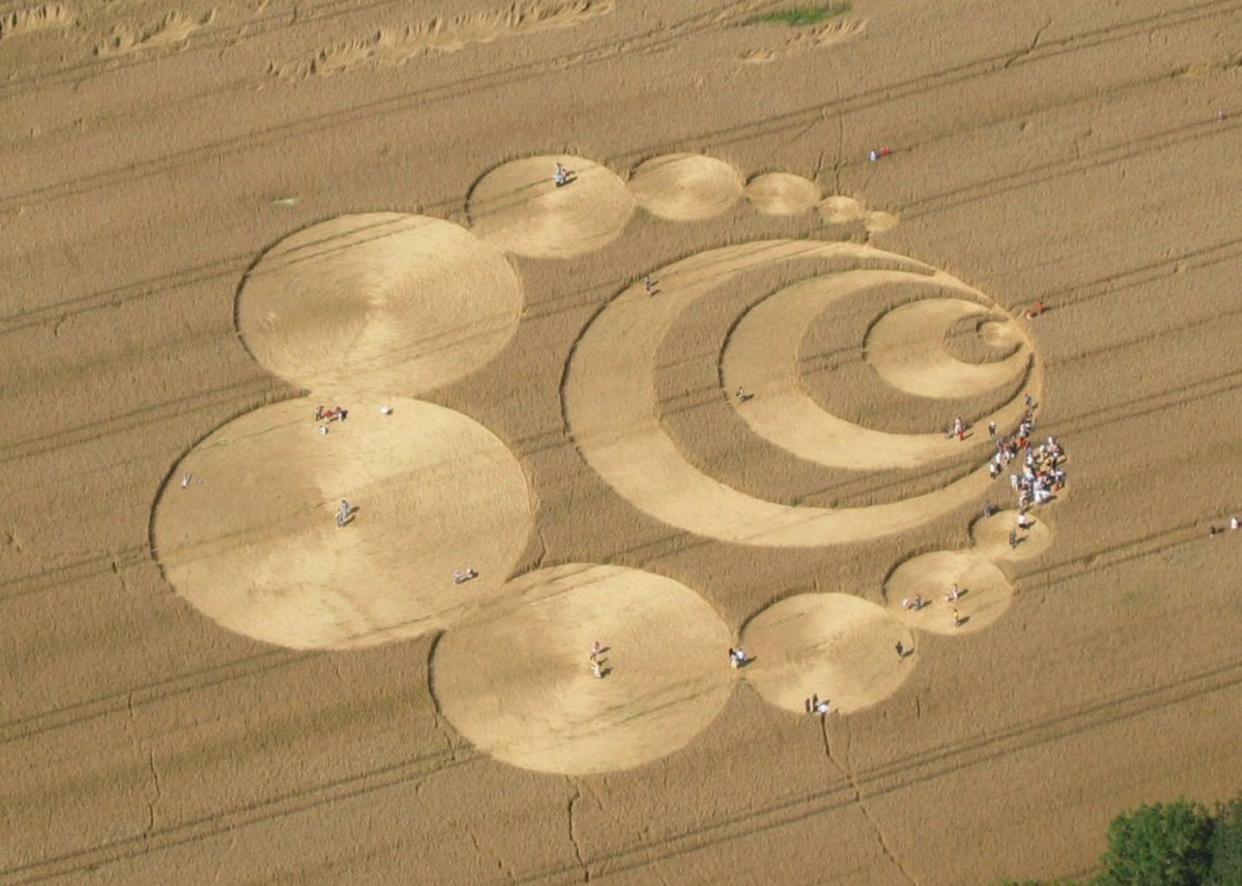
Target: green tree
{"x": 1226, "y": 846}
{"x": 1159, "y": 845}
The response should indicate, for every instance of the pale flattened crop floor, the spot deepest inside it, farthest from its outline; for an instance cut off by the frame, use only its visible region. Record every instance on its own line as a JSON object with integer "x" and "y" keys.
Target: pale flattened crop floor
{"x": 217, "y": 217}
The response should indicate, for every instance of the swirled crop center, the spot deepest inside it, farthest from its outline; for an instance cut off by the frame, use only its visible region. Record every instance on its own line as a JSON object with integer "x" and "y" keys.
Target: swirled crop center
{"x": 397, "y": 304}
{"x": 761, "y": 356}
{"x": 837, "y": 646}
{"x": 520, "y": 208}
{"x": 610, "y": 408}
{"x": 906, "y": 348}
{"x": 516, "y": 679}
{"x": 251, "y": 539}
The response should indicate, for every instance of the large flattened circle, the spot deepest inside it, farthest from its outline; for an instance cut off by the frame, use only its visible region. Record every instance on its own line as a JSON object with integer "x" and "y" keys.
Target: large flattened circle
{"x": 519, "y": 207}
{"x": 516, "y": 679}
{"x": 838, "y": 646}
{"x": 986, "y": 593}
{"x": 686, "y": 187}
{"x": 252, "y": 542}
{"x": 399, "y": 304}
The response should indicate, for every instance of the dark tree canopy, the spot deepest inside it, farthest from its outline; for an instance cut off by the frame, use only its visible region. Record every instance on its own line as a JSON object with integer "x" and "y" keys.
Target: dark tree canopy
{"x": 1170, "y": 844}
{"x": 1226, "y": 846}
{"x": 1159, "y": 845}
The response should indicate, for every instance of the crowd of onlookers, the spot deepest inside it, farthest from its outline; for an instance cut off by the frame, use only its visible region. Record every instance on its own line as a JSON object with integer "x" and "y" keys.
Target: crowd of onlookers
{"x": 1042, "y": 474}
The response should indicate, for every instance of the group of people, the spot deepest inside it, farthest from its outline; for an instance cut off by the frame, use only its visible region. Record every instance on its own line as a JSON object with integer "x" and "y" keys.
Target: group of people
{"x": 327, "y": 416}
{"x": 336, "y": 413}
{"x": 1234, "y": 525}
{"x": 1042, "y": 474}
{"x": 918, "y": 601}
{"x": 737, "y": 658}
{"x": 817, "y": 705}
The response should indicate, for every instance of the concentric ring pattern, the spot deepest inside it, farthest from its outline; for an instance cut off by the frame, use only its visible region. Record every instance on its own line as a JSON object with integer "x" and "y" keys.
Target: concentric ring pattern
{"x": 611, "y": 410}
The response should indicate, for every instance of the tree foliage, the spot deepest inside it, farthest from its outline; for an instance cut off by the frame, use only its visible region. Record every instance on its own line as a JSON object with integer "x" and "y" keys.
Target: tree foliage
{"x": 1226, "y": 846}
{"x": 1159, "y": 845}
{"x": 1173, "y": 844}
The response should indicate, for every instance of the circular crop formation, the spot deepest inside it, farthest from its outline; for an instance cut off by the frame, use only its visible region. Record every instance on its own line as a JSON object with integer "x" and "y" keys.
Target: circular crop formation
{"x": 383, "y": 302}
{"x": 256, "y": 548}
{"x": 780, "y": 193}
{"x": 837, "y": 644}
{"x": 516, "y": 680}
{"x": 359, "y": 514}
{"x": 521, "y": 207}
{"x": 686, "y": 187}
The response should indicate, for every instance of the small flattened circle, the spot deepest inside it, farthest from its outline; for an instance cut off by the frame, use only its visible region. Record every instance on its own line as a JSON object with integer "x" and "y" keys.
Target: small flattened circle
{"x": 399, "y": 304}
{"x": 985, "y": 592}
{"x": 520, "y": 208}
{"x": 782, "y": 193}
{"x": 992, "y": 536}
{"x": 877, "y": 222}
{"x": 838, "y": 646}
{"x": 1000, "y": 335}
{"x": 686, "y": 187}
{"x": 516, "y": 680}
{"x": 251, "y": 539}
{"x": 840, "y": 210}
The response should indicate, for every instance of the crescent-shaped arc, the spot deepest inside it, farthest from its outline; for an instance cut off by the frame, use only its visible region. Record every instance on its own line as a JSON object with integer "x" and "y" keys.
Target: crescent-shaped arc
{"x": 761, "y": 356}
{"x": 611, "y": 411}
